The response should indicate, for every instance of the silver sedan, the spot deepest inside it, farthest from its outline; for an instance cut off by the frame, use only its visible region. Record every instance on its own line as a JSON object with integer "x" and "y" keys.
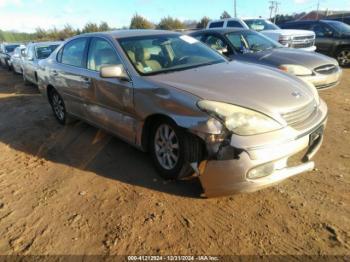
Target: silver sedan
{"x": 234, "y": 125}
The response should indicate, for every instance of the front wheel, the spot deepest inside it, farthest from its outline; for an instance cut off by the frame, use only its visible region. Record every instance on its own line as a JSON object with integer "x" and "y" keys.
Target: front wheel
{"x": 173, "y": 150}
{"x": 343, "y": 57}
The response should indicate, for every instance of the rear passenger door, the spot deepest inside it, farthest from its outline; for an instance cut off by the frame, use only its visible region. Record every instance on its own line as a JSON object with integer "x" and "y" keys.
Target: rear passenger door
{"x": 71, "y": 76}
{"x": 113, "y": 106}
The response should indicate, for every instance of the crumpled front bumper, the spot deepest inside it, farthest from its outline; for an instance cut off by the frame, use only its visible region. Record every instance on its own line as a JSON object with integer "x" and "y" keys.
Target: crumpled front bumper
{"x": 225, "y": 177}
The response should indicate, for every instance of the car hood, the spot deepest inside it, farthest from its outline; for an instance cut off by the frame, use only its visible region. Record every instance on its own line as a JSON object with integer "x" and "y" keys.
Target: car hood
{"x": 282, "y": 56}
{"x": 291, "y": 32}
{"x": 252, "y": 86}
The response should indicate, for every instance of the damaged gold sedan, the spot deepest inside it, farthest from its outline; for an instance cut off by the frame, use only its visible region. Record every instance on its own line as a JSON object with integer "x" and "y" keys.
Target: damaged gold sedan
{"x": 235, "y": 125}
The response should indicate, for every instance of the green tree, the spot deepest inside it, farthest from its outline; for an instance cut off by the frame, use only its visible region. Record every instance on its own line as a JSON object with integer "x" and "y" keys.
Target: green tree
{"x": 204, "y": 22}
{"x": 104, "y": 27}
{"x": 66, "y": 32}
{"x": 139, "y": 22}
{"x": 90, "y": 28}
{"x": 169, "y": 23}
{"x": 225, "y": 15}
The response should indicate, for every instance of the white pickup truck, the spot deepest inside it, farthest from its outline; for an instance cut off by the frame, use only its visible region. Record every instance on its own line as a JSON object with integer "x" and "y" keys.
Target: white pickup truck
{"x": 301, "y": 39}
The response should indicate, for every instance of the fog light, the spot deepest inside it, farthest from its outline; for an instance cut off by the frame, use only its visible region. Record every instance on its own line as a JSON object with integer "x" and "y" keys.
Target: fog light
{"x": 261, "y": 171}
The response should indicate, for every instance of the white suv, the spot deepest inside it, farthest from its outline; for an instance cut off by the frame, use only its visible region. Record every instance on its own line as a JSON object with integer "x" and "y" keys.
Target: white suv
{"x": 301, "y": 39}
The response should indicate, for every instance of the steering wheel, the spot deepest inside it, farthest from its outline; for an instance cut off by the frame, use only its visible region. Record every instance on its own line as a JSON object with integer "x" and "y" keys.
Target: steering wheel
{"x": 181, "y": 60}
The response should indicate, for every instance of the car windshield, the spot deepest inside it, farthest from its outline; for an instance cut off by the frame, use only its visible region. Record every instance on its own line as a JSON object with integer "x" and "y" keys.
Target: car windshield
{"x": 339, "y": 26}
{"x": 10, "y": 48}
{"x": 166, "y": 53}
{"x": 261, "y": 24}
{"x": 251, "y": 42}
{"x": 43, "y": 52}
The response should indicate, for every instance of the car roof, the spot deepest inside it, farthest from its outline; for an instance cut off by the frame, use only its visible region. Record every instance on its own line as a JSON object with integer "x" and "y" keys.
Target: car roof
{"x": 220, "y": 30}
{"x": 46, "y": 43}
{"x": 130, "y": 33}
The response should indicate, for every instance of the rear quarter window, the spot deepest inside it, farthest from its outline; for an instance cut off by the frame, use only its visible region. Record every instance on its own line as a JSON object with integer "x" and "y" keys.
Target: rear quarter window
{"x": 216, "y": 25}
{"x": 234, "y": 24}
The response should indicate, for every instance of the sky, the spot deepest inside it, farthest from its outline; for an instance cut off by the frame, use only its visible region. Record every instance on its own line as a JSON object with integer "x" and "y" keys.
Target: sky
{"x": 26, "y": 15}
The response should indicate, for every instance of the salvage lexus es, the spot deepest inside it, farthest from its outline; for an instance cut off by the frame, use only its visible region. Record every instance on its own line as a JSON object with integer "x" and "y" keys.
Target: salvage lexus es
{"x": 234, "y": 125}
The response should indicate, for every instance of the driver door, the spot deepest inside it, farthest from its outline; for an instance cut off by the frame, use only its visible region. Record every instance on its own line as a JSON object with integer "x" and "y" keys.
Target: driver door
{"x": 112, "y": 106}
{"x": 324, "y": 38}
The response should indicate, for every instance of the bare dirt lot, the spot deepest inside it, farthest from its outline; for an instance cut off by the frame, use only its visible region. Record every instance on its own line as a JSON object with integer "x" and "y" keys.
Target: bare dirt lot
{"x": 77, "y": 190}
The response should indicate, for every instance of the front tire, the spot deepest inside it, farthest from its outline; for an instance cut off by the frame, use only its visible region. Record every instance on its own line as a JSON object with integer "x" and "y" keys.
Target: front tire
{"x": 343, "y": 57}
{"x": 173, "y": 150}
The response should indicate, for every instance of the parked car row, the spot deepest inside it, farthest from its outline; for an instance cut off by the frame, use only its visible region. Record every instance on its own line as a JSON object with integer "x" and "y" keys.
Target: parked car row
{"x": 250, "y": 46}
{"x": 332, "y": 37}
{"x": 300, "y": 39}
{"x": 23, "y": 59}
{"x": 236, "y": 124}
{"x": 329, "y": 37}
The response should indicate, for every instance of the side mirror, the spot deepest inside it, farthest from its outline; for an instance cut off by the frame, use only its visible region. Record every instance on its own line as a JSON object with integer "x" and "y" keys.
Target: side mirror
{"x": 329, "y": 34}
{"x": 114, "y": 71}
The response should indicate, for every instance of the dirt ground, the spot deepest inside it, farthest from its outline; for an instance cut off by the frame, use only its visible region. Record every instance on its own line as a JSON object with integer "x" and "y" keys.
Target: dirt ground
{"x": 77, "y": 190}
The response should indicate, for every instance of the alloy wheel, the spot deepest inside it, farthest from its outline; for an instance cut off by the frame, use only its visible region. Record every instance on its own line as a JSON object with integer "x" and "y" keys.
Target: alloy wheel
{"x": 167, "y": 147}
{"x": 344, "y": 57}
{"x": 58, "y": 106}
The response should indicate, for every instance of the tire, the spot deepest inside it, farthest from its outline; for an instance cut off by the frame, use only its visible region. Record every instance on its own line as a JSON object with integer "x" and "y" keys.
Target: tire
{"x": 59, "y": 108}
{"x": 173, "y": 150}
{"x": 343, "y": 56}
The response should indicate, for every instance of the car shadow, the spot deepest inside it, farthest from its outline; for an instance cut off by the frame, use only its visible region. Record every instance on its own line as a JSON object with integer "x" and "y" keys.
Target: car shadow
{"x": 28, "y": 125}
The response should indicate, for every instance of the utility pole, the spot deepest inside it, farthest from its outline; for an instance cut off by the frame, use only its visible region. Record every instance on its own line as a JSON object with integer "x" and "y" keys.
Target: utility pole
{"x": 318, "y": 9}
{"x": 235, "y": 7}
{"x": 271, "y": 7}
{"x": 276, "y": 10}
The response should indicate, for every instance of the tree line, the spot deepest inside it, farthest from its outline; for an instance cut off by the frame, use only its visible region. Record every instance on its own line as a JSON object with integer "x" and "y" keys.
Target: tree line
{"x": 137, "y": 22}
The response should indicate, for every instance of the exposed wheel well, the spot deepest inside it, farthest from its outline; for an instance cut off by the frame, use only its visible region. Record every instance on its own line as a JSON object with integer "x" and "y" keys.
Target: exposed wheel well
{"x": 36, "y": 77}
{"x": 147, "y": 128}
{"x": 49, "y": 90}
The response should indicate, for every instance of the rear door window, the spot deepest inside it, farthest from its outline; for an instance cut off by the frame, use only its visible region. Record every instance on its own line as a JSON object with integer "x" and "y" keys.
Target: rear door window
{"x": 73, "y": 52}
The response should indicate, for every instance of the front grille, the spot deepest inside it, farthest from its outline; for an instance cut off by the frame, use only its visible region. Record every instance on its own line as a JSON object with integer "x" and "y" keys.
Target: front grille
{"x": 326, "y": 69}
{"x": 304, "y": 37}
{"x": 303, "y": 41}
{"x": 297, "y": 117}
{"x": 302, "y": 45}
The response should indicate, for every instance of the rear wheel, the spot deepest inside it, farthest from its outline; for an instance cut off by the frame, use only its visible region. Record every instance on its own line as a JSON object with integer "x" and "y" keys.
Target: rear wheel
{"x": 173, "y": 150}
{"x": 59, "y": 108}
{"x": 343, "y": 57}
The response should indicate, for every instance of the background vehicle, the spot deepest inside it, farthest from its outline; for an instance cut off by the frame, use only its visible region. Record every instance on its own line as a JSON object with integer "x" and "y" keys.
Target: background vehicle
{"x": 251, "y": 46}
{"x": 300, "y": 39}
{"x": 233, "y": 124}
{"x": 16, "y": 59}
{"x": 332, "y": 37}
{"x": 6, "y": 50}
{"x": 34, "y": 53}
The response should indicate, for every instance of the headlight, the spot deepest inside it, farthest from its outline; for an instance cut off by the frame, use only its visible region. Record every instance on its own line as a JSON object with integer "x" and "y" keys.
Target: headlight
{"x": 241, "y": 121}
{"x": 296, "y": 70}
